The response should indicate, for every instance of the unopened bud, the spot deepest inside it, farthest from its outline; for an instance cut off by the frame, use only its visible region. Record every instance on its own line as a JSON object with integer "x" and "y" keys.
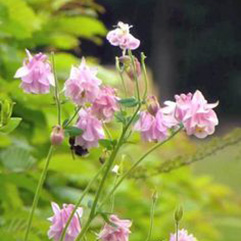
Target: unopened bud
{"x": 57, "y": 136}
{"x": 152, "y": 105}
{"x": 134, "y": 71}
{"x": 125, "y": 60}
{"x": 103, "y": 156}
{"x": 178, "y": 214}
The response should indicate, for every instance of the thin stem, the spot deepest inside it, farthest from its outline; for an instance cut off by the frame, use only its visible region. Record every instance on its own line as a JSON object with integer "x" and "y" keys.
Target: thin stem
{"x": 121, "y": 75}
{"x": 151, "y": 217}
{"x": 56, "y": 90}
{"x": 177, "y": 230}
{"x": 113, "y": 196}
{"x": 73, "y": 116}
{"x": 109, "y": 164}
{"x": 135, "y": 75}
{"x": 145, "y": 75}
{"x": 136, "y": 164}
{"x": 38, "y": 190}
{"x": 107, "y": 131}
{"x": 79, "y": 202}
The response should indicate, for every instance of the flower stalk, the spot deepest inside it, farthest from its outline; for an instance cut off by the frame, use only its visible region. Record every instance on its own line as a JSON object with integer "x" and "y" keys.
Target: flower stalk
{"x": 37, "y": 193}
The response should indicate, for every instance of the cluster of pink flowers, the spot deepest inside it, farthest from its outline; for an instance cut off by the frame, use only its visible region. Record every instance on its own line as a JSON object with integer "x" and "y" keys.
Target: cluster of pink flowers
{"x": 191, "y": 110}
{"x": 60, "y": 219}
{"x": 116, "y": 230}
{"x": 36, "y": 74}
{"x": 183, "y": 236}
{"x": 83, "y": 88}
{"x": 98, "y": 104}
{"x": 121, "y": 37}
{"x": 195, "y": 113}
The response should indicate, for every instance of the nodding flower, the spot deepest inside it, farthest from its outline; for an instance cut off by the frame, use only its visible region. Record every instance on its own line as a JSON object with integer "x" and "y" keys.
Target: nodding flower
{"x": 121, "y": 37}
{"x": 36, "y": 74}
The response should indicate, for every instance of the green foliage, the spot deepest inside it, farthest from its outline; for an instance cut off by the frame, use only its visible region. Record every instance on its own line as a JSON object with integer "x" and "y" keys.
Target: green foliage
{"x": 58, "y": 25}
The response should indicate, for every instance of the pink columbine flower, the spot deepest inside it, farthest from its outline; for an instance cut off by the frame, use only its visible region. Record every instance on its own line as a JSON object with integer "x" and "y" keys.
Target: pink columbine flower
{"x": 121, "y": 37}
{"x": 92, "y": 127}
{"x": 83, "y": 85}
{"x": 36, "y": 74}
{"x": 106, "y": 104}
{"x": 118, "y": 230}
{"x": 183, "y": 236}
{"x": 60, "y": 219}
{"x": 152, "y": 127}
{"x": 200, "y": 119}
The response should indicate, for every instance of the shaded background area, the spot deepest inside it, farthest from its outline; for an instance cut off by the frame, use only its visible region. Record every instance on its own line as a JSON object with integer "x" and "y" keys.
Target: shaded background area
{"x": 192, "y": 44}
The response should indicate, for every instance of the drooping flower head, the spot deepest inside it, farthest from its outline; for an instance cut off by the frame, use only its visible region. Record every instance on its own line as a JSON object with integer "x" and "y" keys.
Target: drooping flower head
{"x": 83, "y": 85}
{"x": 59, "y": 220}
{"x": 106, "y": 104}
{"x": 92, "y": 130}
{"x": 121, "y": 37}
{"x": 194, "y": 112}
{"x": 36, "y": 74}
{"x": 183, "y": 103}
{"x": 118, "y": 230}
{"x": 183, "y": 236}
{"x": 200, "y": 119}
{"x": 152, "y": 127}
{"x": 153, "y": 122}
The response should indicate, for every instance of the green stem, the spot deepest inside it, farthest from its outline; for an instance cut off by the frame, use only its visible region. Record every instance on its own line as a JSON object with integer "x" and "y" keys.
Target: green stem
{"x": 136, "y": 164}
{"x": 121, "y": 75}
{"x": 56, "y": 90}
{"x": 145, "y": 74}
{"x": 135, "y": 75}
{"x": 79, "y": 202}
{"x": 73, "y": 116}
{"x": 37, "y": 193}
{"x": 177, "y": 230}
{"x": 107, "y": 131}
{"x": 108, "y": 168}
{"x": 151, "y": 218}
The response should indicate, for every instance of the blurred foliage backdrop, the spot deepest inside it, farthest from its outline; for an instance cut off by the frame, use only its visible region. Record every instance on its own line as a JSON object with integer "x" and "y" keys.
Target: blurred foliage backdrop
{"x": 212, "y": 210}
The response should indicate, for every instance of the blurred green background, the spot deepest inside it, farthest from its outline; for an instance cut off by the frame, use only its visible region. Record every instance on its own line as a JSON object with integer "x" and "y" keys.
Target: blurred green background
{"x": 190, "y": 45}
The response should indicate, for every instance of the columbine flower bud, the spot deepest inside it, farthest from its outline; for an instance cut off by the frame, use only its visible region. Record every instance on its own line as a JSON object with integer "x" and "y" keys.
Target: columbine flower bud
{"x": 152, "y": 105}
{"x": 57, "y": 135}
{"x": 136, "y": 71}
{"x": 125, "y": 60}
{"x": 178, "y": 214}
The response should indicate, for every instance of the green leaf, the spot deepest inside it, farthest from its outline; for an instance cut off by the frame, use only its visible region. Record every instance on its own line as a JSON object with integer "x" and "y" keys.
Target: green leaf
{"x": 73, "y": 131}
{"x": 121, "y": 116}
{"x": 17, "y": 159}
{"x": 129, "y": 102}
{"x": 11, "y": 125}
{"x": 80, "y": 26}
{"x": 107, "y": 143}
